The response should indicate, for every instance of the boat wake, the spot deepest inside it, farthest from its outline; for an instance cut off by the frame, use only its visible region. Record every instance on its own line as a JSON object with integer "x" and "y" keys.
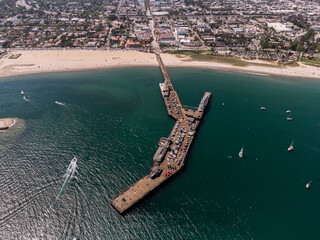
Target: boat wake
{"x": 60, "y": 103}
{"x": 131, "y": 130}
{"x": 68, "y": 176}
{"x": 24, "y": 204}
{"x": 24, "y": 98}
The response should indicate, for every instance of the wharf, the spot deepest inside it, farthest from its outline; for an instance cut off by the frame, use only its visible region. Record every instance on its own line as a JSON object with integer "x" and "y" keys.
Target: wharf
{"x": 172, "y": 152}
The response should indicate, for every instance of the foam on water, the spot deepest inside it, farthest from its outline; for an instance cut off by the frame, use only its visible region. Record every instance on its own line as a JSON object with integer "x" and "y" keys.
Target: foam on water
{"x": 12, "y": 124}
{"x": 258, "y": 74}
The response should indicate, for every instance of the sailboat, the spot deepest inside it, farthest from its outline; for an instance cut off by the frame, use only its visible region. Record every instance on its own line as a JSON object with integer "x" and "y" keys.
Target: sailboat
{"x": 291, "y": 148}
{"x": 241, "y": 153}
{"x": 308, "y": 185}
{"x": 22, "y": 92}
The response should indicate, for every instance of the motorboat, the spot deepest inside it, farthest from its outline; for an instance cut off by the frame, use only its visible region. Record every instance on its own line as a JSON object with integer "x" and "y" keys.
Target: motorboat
{"x": 241, "y": 155}
{"x": 74, "y": 160}
{"x": 291, "y": 148}
{"x": 288, "y": 111}
{"x": 308, "y": 185}
{"x": 22, "y": 92}
{"x": 262, "y": 108}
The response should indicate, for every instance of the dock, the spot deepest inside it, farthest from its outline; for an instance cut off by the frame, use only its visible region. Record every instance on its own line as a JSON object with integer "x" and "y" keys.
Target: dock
{"x": 172, "y": 152}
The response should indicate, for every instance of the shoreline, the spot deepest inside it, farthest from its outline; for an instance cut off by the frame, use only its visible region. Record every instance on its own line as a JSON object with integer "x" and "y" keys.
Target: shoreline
{"x": 48, "y": 61}
{"x": 71, "y": 70}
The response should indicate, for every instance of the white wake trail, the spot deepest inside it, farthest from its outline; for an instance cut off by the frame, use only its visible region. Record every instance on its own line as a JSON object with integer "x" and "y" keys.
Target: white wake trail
{"x": 68, "y": 176}
{"x": 24, "y": 98}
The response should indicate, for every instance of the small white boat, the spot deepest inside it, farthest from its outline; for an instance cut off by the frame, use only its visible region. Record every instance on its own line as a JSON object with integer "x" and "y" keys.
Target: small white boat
{"x": 291, "y": 148}
{"x": 288, "y": 111}
{"x": 289, "y": 118}
{"x": 241, "y": 155}
{"x": 308, "y": 185}
{"x": 74, "y": 160}
{"x": 60, "y": 103}
{"x": 263, "y": 108}
{"x": 22, "y": 92}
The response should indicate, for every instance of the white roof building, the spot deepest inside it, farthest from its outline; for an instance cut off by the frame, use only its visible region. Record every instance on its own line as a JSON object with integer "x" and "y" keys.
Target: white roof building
{"x": 279, "y": 27}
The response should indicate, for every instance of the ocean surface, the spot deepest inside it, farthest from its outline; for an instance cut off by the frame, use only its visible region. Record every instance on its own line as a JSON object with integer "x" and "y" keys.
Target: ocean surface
{"x": 111, "y": 121}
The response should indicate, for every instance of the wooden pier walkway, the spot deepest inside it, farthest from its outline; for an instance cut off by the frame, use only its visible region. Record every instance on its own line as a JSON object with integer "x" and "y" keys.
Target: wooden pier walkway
{"x": 172, "y": 152}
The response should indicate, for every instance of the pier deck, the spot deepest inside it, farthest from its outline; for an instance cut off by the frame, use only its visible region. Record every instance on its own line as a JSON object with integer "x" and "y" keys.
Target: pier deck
{"x": 172, "y": 152}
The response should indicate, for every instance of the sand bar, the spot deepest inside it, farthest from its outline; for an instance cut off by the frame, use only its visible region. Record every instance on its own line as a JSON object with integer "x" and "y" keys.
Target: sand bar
{"x": 37, "y": 61}
{"x": 6, "y": 123}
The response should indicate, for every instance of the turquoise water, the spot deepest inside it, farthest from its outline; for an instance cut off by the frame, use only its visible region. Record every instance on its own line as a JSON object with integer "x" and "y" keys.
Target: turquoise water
{"x": 112, "y": 120}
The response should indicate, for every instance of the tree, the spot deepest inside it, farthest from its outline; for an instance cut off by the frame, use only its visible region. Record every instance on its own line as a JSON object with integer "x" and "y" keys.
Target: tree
{"x": 189, "y": 2}
{"x": 6, "y": 44}
{"x": 264, "y": 43}
{"x": 112, "y": 17}
{"x": 300, "y": 48}
{"x": 309, "y": 36}
{"x": 299, "y": 21}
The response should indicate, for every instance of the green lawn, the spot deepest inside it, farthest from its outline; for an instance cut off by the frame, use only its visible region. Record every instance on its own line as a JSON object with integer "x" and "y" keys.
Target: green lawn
{"x": 187, "y": 51}
{"x": 206, "y": 56}
{"x": 313, "y": 62}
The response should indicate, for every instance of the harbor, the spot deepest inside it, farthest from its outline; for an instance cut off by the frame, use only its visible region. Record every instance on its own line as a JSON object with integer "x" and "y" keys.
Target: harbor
{"x": 113, "y": 124}
{"x": 172, "y": 152}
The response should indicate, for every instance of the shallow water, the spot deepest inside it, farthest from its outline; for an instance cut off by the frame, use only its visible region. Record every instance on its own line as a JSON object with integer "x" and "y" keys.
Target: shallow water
{"x": 112, "y": 121}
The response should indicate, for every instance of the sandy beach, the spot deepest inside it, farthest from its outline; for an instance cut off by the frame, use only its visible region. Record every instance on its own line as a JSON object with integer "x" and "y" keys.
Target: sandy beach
{"x": 37, "y": 61}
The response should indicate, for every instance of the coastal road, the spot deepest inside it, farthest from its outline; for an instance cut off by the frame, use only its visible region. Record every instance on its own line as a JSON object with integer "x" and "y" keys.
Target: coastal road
{"x": 154, "y": 43}
{"x": 107, "y": 46}
{"x": 119, "y": 6}
{"x": 196, "y": 34}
